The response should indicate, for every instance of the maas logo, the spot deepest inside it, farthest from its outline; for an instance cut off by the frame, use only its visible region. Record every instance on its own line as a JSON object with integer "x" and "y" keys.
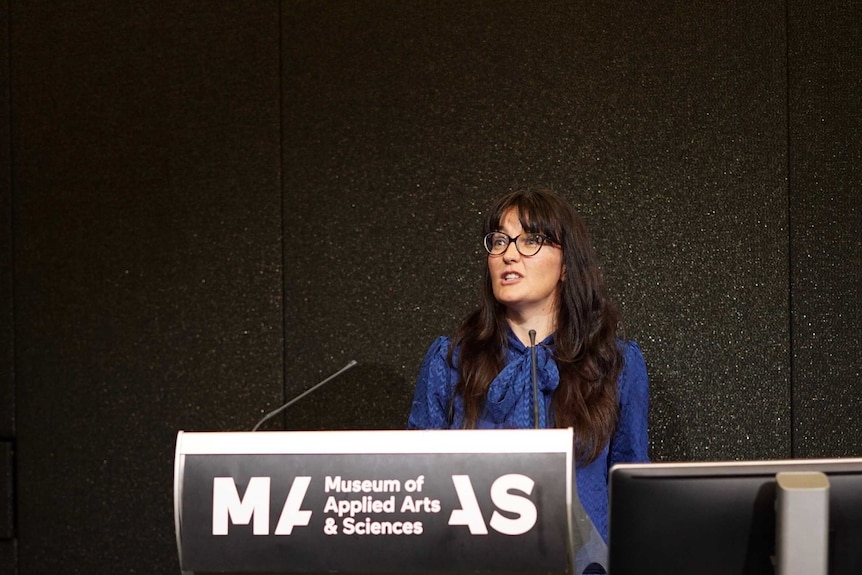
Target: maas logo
{"x": 522, "y": 508}
{"x": 255, "y": 504}
{"x": 508, "y": 493}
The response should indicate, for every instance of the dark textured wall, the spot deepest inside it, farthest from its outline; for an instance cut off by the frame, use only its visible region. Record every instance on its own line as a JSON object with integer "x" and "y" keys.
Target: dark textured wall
{"x": 7, "y": 395}
{"x": 147, "y": 262}
{"x": 212, "y": 205}
{"x": 7, "y": 381}
{"x": 825, "y": 131}
{"x": 664, "y": 125}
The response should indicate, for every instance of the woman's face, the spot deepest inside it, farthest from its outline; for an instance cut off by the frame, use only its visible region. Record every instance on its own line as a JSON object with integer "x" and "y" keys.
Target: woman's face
{"x": 526, "y": 285}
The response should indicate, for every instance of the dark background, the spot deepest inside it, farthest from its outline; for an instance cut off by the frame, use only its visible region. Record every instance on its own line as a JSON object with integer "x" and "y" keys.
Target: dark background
{"x": 209, "y": 206}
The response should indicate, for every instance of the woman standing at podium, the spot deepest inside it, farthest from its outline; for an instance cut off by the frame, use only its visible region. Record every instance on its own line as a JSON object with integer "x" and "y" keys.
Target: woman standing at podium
{"x": 542, "y": 284}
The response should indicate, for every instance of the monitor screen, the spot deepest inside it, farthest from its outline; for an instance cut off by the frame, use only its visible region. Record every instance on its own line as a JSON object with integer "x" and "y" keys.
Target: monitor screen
{"x": 719, "y": 518}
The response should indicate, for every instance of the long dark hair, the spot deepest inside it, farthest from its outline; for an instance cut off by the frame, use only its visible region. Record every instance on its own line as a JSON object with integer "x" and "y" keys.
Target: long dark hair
{"x": 585, "y": 346}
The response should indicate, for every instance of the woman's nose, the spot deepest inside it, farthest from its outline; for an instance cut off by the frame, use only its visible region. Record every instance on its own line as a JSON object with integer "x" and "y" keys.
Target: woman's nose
{"x": 511, "y": 254}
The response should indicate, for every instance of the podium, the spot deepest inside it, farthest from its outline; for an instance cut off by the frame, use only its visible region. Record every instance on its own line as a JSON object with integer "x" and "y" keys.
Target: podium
{"x": 355, "y": 502}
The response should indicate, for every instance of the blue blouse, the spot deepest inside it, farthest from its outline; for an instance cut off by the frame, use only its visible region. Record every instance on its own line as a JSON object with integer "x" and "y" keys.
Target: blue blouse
{"x": 509, "y": 404}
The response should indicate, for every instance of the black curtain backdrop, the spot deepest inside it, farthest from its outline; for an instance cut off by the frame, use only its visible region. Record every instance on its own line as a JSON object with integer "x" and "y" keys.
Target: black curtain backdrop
{"x": 210, "y": 206}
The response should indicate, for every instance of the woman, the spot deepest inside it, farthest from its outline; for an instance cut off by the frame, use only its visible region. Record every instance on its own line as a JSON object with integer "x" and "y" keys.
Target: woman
{"x": 543, "y": 277}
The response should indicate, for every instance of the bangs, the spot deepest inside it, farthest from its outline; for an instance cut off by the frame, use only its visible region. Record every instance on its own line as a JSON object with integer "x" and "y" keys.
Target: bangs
{"x": 535, "y": 213}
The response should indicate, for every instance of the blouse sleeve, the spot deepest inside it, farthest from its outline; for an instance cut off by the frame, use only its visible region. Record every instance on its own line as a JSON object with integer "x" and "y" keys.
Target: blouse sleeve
{"x": 434, "y": 388}
{"x": 631, "y": 440}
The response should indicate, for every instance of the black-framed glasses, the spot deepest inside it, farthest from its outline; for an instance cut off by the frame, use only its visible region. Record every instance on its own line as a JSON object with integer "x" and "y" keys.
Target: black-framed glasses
{"x": 527, "y": 244}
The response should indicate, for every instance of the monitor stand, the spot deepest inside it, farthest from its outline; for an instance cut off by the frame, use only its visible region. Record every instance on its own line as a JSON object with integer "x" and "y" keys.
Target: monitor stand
{"x": 802, "y": 523}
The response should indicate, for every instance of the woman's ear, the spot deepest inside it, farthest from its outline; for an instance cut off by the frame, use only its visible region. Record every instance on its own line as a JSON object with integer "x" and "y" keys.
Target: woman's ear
{"x": 563, "y": 274}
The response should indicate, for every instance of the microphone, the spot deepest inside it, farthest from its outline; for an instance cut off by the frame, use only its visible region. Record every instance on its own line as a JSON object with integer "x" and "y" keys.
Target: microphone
{"x": 535, "y": 383}
{"x": 275, "y": 412}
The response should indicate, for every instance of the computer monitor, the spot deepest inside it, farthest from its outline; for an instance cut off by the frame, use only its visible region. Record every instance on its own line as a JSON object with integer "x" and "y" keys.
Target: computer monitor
{"x": 719, "y": 518}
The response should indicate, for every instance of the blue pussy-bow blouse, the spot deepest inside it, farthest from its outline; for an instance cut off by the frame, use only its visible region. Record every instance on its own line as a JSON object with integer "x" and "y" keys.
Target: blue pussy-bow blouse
{"x": 509, "y": 402}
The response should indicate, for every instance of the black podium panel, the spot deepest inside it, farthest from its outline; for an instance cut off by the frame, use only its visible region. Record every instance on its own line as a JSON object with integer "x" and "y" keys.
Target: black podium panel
{"x": 369, "y": 501}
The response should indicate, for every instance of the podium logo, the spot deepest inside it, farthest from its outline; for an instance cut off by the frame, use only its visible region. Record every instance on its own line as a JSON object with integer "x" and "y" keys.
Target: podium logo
{"x": 521, "y": 507}
{"x": 253, "y": 506}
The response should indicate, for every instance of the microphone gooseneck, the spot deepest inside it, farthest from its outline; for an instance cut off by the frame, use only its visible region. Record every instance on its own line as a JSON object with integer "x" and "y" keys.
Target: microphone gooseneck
{"x": 535, "y": 382}
{"x": 275, "y": 412}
